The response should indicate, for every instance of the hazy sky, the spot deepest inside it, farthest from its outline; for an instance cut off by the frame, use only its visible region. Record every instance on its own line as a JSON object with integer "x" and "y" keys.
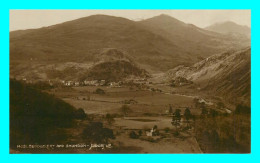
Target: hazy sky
{"x": 27, "y": 19}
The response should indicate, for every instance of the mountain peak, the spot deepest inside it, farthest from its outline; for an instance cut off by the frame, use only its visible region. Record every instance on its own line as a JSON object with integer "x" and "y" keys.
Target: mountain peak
{"x": 230, "y": 27}
{"x": 166, "y": 18}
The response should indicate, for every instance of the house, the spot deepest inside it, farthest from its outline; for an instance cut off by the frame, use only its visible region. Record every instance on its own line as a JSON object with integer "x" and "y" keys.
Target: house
{"x": 69, "y": 83}
{"x": 102, "y": 82}
{"x": 91, "y": 82}
{"x": 151, "y": 132}
{"x": 77, "y": 84}
{"x": 114, "y": 84}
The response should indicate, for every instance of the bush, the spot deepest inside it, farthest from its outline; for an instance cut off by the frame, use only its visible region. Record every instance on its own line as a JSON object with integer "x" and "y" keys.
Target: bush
{"x": 80, "y": 114}
{"x": 99, "y": 91}
{"x": 167, "y": 129}
{"x": 125, "y": 109}
{"x": 110, "y": 119}
{"x": 242, "y": 109}
{"x": 95, "y": 133}
{"x": 133, "y": 135}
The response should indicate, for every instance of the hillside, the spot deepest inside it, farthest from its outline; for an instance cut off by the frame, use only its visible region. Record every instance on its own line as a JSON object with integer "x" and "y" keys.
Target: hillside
{"x": 197, "y": 42}
{"x": 37, "y": 117}
{"x": 114, "y": 71}
{"x": 226, "y": 74}
{"x": 156, "y": 44}
{"x": 82, "y": 39}
{"x": 110, "y": 65}
{"x": 230, "y": 28}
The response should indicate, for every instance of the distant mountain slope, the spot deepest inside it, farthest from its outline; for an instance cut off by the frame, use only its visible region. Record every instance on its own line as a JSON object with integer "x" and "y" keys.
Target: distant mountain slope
{"x": 150, "y": 43}
{"x": 82, "y": 39}
{"x": 226, "y": 74}
{"x": 195, "y": 41}
{"x": 114, "y": 71}
{"x": 110, "y": 65}
{"x": 230, "y": 28}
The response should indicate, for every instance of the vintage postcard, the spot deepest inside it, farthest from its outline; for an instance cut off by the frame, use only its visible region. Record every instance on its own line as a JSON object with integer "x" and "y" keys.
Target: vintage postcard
{"x": 130, "y": 81}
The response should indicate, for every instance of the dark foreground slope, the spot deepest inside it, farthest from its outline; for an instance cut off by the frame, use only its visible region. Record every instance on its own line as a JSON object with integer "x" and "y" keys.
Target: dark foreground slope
{"x": 37, "y": 117}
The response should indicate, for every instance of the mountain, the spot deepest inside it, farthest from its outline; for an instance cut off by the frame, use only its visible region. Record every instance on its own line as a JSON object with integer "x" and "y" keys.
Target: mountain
{"x": 157, "y": 44}
{"x": 83, "y": 39}
{"x": 110, "y": 65}
{"x": 114, "y": 71}
{"x": 114, "y": 65}
{"x": 226, "y": 74}
{"x": 197, "y": 42}
{"x": 230, "y": 28}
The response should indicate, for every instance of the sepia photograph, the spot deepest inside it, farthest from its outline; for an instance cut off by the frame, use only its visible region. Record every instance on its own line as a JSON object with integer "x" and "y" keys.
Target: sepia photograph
{"x": 129, "y": 81}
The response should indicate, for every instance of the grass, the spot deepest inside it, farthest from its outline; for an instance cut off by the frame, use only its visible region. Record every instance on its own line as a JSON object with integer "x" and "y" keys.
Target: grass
{"x": 147, "y": 101}
{"x": 143, "y": 120}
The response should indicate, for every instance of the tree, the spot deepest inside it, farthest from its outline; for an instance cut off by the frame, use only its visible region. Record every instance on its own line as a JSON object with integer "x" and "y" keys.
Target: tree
{"x": 156, "y": 131}
{"x": 125, "y": 109}
{"x": 100, "y": 91}
{"x": 110, "y": 119}
{"x": 213, "y": 113}
{"x": 133, "y": 135}
{"x": 140, "y": 132}
{"x": 166, "y": 129}
{"x": 170, "y": 109}
{"x": 80, "y": 114}
{"x": 196, "y": 102}
{"x": 220, "y": 105}
{"x": 242, "y": 109}
{"x": 187, "y": 115}
{"x": 176, "y": 119}
{"x": 95, "y": 133}
{"x": 204, "y": 112}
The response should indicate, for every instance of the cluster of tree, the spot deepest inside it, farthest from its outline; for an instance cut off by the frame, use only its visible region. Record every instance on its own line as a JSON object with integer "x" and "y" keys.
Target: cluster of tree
{"x": 176, "y": 118}
{"x": 80, "y": 114}
{"x": 36, "y": 117}
{"x": 110, "y": 119}
{"x": 41, "y": 85}
{"x": 125, "y": 109}
{"x": 224, "y": 133}
{"x": 198, "y": 104}
{"x": 242, "y": 109}
{"x": 180, "y": 81}
{"x": 134, "y": 135}
{"x": 94, "y": 132}
{"x": 100, "y": 91}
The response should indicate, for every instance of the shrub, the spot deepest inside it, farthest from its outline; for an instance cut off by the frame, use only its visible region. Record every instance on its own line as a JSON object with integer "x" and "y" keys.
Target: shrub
{"x": 242, "y": 109}
{"x": 167, "y": 129}
{"x": 80, "y": 114}
{"x": 133, "y": 135}
{"x": 99, "y": 91}
{"x": 95, "y": 133}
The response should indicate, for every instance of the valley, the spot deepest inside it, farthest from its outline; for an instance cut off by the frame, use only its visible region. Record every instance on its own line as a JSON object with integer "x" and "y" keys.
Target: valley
{"x": 153, "y": 86}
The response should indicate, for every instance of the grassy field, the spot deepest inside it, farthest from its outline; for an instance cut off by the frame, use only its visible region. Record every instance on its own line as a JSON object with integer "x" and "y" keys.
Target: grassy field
{"x": 148, "y": 109}
{"x": 110, "y": 102}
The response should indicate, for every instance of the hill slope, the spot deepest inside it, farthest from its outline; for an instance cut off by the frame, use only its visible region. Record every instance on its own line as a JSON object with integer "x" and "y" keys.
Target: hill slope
{"x": 226, "y": 74}
{"x": 193, "y": 40}
{"x": 157, "y": 47}
{"x": 37, "y": 117}
{"x": 82, "y": 39}
{"x": 230, "y": 28}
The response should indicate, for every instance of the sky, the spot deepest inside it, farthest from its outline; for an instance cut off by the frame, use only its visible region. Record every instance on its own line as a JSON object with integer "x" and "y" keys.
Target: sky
{"x": 29, "y": 19}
